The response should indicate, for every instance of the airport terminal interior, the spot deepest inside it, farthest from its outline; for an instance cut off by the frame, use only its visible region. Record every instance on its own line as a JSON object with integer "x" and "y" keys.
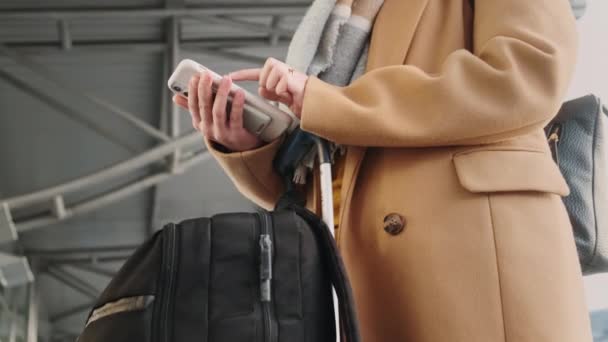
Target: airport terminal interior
{"x": 95, "y": 157}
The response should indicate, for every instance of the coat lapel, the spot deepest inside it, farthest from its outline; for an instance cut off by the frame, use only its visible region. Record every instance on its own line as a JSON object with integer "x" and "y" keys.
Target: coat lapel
{"x": 390, "y": 40}
{"x": 393, "y": 32}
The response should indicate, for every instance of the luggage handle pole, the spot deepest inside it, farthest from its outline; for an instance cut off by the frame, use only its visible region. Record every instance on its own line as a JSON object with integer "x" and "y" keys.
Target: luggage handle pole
{"x": 327, "y": 210}
{"x": 327, "y": 200}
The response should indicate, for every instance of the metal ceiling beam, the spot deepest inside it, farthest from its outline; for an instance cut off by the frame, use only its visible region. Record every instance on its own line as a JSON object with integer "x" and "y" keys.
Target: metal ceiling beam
{"x": 129, "y": 117}
{"x": 142, "y": 46}
{"x": 8, "y": 231}
{"x": 274, "y": 25}
{"x": 67, "y": 110}
{"x": 175, "y": 3}
{"x": 232, "y": 22}
{"x": 111, "y": 196}
{"x": 107, "y": 198}
{"x": 165, "y": 94}
{"x": 64, "y": 34}
{"x": 14, "y": 328}
{"x": 236, "y": 56}
{"x": 120, "y": 169}
{"x": 122, "y": 46}
{"x": 90, "y": 259}
{"x": 92, "y": 100}
{"x": 79, "y": 250}
{"x": 233, "y": 43}
{"x": 15, "y": 270}
{"x": 95, "y": 270}
{"x": 116, "y": 171}
{"x": 72, "y": 281}
{"x": 70, "y": 312}
{"x": 250, "y": 9}
{"x": 33, "y": 316}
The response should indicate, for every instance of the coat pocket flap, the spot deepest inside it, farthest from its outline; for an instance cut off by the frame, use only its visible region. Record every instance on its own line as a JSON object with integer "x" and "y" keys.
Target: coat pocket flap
{"x": 509, "y": 170}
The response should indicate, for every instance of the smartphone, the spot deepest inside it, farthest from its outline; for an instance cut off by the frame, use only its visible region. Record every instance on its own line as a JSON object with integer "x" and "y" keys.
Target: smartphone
{"x": 260, "y": 117}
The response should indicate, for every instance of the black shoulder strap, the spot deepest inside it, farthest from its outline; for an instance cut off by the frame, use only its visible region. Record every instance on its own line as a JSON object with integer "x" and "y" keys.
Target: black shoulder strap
{"x": 338, "y": 276}
{"x": 472, "y": 2}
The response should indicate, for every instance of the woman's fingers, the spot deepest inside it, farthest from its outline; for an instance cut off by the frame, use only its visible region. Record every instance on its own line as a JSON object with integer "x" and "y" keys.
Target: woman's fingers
{"x": 246, "y": 75}
{"x": 286, "y": 98}
{"x": 267, "y": 94}
{"x": 273, "y": 79}
{"x": 235, "y": 121}
{"x": 205, "y": 94}
{"x": 181, "y": 101}
{"x": 266, "y": 70}
{"x": 281, "y": 87}
{"x": 272, "y": 96}
{"x": 210, "y": 109}
{"x": 193, "y": 105}
{"x": 219, "y": 108}
{"x": 277, "y": 82}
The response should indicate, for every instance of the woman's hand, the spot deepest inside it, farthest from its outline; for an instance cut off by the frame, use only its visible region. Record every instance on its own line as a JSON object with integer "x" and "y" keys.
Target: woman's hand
{"x": 277, "y": 82}
{"x": 209, "y": 115}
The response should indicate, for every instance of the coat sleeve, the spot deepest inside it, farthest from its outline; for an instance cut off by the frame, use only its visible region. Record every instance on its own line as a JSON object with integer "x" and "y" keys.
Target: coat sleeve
{"x": 252, "y": 171}
{"x": 512, "y": 82}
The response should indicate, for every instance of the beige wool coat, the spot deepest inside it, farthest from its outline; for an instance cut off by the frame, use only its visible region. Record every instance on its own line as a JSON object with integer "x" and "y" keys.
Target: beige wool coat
{"x": 445, "y": 145}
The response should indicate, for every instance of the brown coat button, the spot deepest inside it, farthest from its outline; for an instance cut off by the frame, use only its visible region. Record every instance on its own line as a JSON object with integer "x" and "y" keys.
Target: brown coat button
{"x": 394, "y": 223}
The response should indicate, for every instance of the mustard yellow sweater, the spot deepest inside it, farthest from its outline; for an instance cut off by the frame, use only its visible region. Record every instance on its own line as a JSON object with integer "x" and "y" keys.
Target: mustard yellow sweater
{"x": 337, "y": 172}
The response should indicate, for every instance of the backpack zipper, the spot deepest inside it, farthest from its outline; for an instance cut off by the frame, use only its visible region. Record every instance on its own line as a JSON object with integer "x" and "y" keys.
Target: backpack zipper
{"x": 168, "y": 283}
{"x": 266, "y": 258}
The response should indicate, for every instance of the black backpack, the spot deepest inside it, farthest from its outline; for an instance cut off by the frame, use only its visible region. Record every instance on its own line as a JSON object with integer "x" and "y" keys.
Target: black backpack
{"x": 238, "y": 277}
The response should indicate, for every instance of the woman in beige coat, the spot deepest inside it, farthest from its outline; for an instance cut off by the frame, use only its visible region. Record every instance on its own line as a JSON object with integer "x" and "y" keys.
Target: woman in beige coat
{"x": 451, "y": 224}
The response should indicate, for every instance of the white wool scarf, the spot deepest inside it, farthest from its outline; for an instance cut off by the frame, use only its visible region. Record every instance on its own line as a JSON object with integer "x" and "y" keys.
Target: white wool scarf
{"x": 331, "y": 43}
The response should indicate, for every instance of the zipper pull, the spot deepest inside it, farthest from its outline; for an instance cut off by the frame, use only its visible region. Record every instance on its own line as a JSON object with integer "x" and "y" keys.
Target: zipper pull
{"x": 553, "y": 140}
{"x": 265, "y": 268}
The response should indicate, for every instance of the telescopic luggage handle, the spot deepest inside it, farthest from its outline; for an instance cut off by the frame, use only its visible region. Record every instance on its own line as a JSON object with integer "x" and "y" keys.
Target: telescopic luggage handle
{"x": 297, "y": 145}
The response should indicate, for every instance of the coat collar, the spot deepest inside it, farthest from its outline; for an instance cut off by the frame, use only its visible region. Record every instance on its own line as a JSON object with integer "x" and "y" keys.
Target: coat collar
{"x": 391, "y": 38}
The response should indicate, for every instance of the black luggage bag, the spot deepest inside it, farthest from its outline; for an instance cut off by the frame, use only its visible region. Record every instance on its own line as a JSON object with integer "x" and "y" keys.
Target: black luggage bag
{"x": 239, "y": 277}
